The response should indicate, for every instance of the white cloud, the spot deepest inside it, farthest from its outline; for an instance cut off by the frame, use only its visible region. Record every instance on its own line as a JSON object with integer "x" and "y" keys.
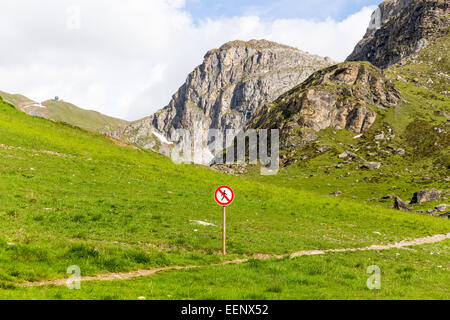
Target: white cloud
{"x": 126, "y": 58}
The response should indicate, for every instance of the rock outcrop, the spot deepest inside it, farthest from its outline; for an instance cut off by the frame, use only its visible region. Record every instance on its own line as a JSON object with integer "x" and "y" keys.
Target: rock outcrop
{"x": 399, "y": 204}
{"x": 344, "y": 96}
{"x": 399, "y": 28}
{"x": 426, "y": 196}
{"x": 371, "y": 165}
{"x": 224, "y": 92}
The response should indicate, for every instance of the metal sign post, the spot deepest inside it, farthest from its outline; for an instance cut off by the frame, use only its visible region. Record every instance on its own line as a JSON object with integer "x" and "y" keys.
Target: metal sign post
{"x": 224, "y": 231}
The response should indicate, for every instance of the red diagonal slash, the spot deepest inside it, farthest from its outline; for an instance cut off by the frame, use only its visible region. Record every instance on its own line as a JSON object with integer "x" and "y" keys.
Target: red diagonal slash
{"x": 224, "y": 195}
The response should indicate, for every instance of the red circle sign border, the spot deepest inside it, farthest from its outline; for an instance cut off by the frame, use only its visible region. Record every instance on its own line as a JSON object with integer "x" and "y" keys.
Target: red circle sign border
{"x": 232, "y": 196}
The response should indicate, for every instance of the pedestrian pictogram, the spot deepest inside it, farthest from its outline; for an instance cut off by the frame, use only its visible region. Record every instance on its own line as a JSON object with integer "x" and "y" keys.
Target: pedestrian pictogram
{"x": 224, "y": 196}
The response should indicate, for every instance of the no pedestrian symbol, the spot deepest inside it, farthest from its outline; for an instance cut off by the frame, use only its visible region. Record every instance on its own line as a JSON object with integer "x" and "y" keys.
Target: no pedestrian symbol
{"x": 224, "y": 196}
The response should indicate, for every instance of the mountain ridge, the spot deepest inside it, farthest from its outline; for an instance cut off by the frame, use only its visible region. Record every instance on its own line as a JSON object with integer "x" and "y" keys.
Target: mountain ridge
{"x": 225, "y": 90}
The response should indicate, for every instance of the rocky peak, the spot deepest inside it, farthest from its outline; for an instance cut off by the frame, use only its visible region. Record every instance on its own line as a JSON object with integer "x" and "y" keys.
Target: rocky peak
{"x": 226, "y": 89}
{"x": 399, "y": 28}
{"x": 255, "y": 44}
{"x": 344, "y": 96}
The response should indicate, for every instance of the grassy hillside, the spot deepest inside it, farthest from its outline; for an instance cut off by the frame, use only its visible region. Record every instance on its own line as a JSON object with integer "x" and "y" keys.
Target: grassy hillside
{"x": 72, "y": 197}
{"x": 65, "y": 112}
{"x": 429, "y": 68}
{"x": 86, "y": 119}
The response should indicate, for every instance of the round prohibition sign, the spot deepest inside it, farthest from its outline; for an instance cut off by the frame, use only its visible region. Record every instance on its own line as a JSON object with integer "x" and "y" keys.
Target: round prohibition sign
{"x": 224, "y": 195}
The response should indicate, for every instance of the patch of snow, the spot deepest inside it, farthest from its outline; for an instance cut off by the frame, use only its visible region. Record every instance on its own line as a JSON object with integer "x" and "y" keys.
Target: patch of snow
{"x": 34, "y": 105}
{"x": 161, "y": 138}
{"x": 203, "y": 223}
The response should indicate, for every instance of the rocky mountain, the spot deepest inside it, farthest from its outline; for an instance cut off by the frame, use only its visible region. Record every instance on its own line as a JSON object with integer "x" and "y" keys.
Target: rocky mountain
{"x": 373, "y": 134}
{"x": 406, "y": 37}
{"x": 343, "y": 96}
{"x": 58, "y": 110}
{"x": 224, "y": 92}
{"x": 400, "y": 28}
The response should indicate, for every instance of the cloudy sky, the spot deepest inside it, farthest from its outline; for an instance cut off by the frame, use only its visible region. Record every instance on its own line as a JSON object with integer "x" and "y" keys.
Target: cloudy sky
{"x": 127, "y": 58}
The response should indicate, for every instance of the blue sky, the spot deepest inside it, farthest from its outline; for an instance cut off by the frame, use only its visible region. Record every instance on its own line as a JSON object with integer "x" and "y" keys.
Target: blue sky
{"x": 277, "y": 9}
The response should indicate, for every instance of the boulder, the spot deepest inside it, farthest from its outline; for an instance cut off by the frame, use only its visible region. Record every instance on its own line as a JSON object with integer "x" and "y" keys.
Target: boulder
{"x": 441, "y": 207}
{"x": 322, "y": 149}
{"x": 371, "y": 165}
{"x": 348, "y": 154}
{"x": 426, "y": 196}
{"x": 381, "y": 136}
{"x": 400, "y": 205}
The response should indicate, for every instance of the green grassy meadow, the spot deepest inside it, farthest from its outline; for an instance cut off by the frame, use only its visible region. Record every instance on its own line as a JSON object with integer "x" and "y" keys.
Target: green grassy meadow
{"x": 72, "y": 197}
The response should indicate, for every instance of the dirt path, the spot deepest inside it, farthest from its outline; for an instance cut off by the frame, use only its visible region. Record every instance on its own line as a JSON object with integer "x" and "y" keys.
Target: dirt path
{"x": 151, "y": 272}
{"x": 401, "y": 244}
{"x": 121, "y": 143}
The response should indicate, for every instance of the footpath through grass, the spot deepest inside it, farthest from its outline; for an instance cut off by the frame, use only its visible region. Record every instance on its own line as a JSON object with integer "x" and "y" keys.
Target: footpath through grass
{"x": 420, "y": 272}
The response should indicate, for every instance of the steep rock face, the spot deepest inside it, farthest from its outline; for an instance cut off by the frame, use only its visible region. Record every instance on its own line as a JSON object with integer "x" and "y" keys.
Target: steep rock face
{"x": 343, "y": 96}
{"x": 399, "y": 28}
{"x": 226, "y": 89}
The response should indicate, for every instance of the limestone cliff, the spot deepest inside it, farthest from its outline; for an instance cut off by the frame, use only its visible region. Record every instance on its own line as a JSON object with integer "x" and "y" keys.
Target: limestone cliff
{"x": 399, "y": 28}
{"x": 226, "y": 89}
{"x": 344, "y": 96}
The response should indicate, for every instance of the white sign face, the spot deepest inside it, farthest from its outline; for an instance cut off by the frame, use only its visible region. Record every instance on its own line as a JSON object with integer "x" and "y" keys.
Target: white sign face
{"x": 224, "y": 195}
